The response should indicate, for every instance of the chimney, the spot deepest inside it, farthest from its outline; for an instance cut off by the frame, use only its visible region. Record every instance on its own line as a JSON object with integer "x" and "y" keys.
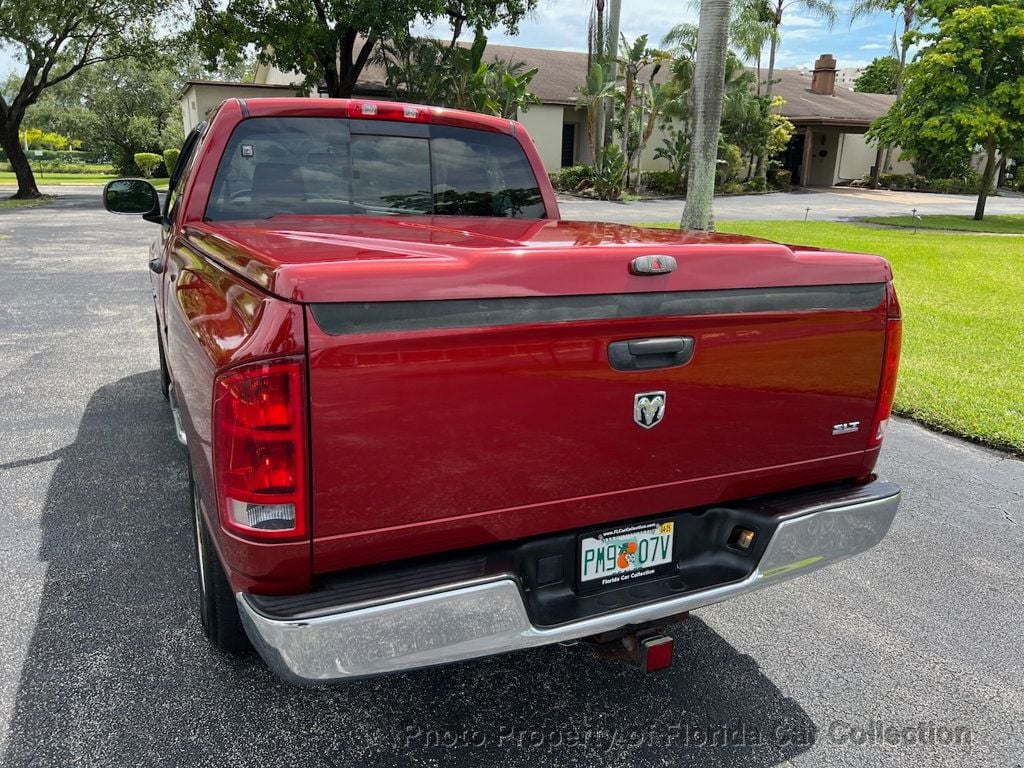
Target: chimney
{"x": 823, "y": 81}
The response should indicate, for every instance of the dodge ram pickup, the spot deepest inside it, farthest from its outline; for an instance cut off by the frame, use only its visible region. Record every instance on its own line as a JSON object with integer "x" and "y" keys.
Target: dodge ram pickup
{"x": 427, "y": 420}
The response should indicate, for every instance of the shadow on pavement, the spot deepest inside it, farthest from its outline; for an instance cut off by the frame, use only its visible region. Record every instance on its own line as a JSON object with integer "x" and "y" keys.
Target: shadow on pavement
{"x": 117, "y": 672}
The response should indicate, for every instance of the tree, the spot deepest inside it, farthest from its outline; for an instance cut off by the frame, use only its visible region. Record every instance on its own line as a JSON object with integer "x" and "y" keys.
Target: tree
{"x": 965, "y": 89}
{"x": 591, "y": 98}
{"x": 133, "y": 107}
{"x": 55, "y": 40}
{"x": 771, "y": 14}
{"x": 712, "y": 47}
{"x": 330, "y": 41}
{"x": 910, "y": 11}
{"x": 447, "y": 74}
{"x": 880, "y": 76}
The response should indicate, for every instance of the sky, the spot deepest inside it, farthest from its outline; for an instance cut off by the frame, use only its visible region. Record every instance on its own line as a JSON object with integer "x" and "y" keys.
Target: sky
{"x": 562, "y": 24}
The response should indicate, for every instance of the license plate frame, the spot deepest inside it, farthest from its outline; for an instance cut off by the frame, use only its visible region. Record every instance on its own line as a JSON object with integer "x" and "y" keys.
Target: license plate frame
{"x": 653, "y": 554}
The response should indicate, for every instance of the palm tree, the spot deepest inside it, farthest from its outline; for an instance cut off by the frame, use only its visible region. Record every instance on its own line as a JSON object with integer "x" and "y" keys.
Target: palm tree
{"x": 773, "y": 11}
{"x": 910, "y": 11}
{"x": 590, "y": 98}
{"x": 712, "y": 47}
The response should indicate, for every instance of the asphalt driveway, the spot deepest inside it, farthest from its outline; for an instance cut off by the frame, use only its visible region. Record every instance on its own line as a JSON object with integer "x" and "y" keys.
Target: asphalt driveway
{"x": 831, "y": 204}
{"x": 102, "y": 662}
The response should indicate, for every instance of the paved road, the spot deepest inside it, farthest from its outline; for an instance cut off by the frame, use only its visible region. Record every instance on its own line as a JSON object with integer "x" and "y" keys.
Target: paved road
{"x": 102, "y": 663}
{"x": 835, "y": 204}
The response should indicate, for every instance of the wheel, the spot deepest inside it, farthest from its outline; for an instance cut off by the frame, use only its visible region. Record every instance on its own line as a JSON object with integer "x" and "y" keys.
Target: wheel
{"x": 218, "y": 610}
{"x": 165, "y": 375}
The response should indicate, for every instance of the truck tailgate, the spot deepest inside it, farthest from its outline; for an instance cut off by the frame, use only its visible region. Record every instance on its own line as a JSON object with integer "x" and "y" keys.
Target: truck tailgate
{"x": 452, "y": 423}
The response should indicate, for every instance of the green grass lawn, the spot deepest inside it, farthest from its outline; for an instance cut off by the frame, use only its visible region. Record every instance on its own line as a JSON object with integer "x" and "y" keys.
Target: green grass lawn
{"x": 8, "y": 203}
{"x": 963, "y": 321}
{"x": 71, "y": 179}
{"x": 1007, "y": 224}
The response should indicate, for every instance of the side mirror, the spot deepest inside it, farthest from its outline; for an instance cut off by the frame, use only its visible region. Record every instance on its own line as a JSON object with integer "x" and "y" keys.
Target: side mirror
{"x": 134, "y": 197}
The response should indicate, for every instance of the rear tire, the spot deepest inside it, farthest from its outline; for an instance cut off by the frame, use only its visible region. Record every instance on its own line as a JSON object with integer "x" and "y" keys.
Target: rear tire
{"x": 165, "y": 374}
{"x": 218, "y": 610}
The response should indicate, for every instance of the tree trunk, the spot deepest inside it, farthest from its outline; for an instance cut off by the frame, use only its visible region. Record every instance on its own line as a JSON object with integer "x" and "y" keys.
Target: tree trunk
{"x": 876, "y": 169}
{"x": 761, "y": 172}
{"x": 614, "y": 14}
{"x": 712, "y": 44}
{"x": 19, "y": 162}
{"x": 986, "y": 181}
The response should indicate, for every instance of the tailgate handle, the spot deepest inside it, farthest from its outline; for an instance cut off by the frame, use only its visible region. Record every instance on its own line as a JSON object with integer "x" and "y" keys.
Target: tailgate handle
{"x": 649, "y": 354}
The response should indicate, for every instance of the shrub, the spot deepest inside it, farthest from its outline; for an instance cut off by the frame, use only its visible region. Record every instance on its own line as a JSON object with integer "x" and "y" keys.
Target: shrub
{"x": 756, "y": 185}
{"x": 171, "y": 159}
{"x": 148, "y": 162}
{"x": 572, "y": 178}
{"x": 608, "y": 182}
{"x": 730, "y": 164}
{"x": 781, "y": 178}
{"x": 663, "y": 182}
{"x": 965, "y": 184}
{"x": 58, "y": 166}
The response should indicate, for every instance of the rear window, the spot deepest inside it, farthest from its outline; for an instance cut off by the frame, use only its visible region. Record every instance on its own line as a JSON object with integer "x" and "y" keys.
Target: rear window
{"x": 277, "y": 166}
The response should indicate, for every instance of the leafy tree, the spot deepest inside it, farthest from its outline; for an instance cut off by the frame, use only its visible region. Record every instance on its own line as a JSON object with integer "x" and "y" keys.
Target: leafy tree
{"x": 133, "y": 107}
{"x": 55, "y": 40}
{"x": 330, "y": 41}
{"x": 712, "y": 49}
{"x": 761, "y": 20}
{"x": 880, "y": 76}
{"x": 965, "y": 89}
{"x": 450, "y": 75}
{"x": 120, "y": 108}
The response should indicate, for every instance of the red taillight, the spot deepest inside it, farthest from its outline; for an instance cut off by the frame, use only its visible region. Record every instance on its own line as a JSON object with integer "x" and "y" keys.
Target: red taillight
{"x": 890, "y": 369}
{"x": 259, "y": 451}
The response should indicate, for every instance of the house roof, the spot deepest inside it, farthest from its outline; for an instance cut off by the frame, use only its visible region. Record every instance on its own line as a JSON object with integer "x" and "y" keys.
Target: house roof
{"x": 235, "y": 86}
{"x": 846, "y": 108}
{"x": 561, "y": 72}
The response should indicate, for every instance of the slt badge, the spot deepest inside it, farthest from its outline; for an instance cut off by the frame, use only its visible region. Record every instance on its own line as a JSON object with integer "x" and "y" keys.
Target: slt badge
{"x": 648, "y": 408}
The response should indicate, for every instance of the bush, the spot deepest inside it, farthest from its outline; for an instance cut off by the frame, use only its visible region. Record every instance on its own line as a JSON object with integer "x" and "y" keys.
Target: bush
{"x": 171, "y": 159}
{"x": 730, "y": 164}
{"x": 148, "y": 162}
{"x": 57, "y": 166}
{"x": 781, "y": 178}
{"x": 609, "y": 181}
{"x": 663, "y": 182}
{"x": 966, "y": 184}
{"x": 572, "y": 178}
{"x": 66, "y": 156}
{"x": 756, "y": 185}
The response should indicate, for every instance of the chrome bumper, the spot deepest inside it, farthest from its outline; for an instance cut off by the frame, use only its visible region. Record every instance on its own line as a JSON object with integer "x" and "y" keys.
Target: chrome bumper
{"x": 465, "y": 620}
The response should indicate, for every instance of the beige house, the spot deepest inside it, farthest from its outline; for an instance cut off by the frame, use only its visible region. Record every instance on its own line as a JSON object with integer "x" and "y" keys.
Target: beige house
{"x": 828, "y": 147}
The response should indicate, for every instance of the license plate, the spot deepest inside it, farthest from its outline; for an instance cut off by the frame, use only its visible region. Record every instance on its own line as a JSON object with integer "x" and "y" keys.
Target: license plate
{"x": 624, "y": 554}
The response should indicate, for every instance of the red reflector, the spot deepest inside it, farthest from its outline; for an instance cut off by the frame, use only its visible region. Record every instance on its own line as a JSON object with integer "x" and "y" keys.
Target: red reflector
{"x": 657, "y": 652}
{"x": 260, "y": 450}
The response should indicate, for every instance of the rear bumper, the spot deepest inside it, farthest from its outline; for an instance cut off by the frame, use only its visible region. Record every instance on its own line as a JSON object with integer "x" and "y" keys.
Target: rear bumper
{"x": 478, "y": 617}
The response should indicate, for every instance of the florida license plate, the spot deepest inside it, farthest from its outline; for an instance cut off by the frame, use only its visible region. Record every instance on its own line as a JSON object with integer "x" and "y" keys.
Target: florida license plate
{"x": 624, "y": 554}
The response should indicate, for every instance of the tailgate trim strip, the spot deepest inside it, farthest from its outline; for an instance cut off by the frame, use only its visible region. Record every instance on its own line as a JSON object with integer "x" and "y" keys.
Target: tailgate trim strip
{"x": 343, "y": 318}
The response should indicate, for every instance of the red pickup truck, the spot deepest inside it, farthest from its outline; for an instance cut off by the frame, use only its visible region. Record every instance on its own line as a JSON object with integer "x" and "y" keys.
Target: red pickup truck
{"x": 428, "y": 420}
